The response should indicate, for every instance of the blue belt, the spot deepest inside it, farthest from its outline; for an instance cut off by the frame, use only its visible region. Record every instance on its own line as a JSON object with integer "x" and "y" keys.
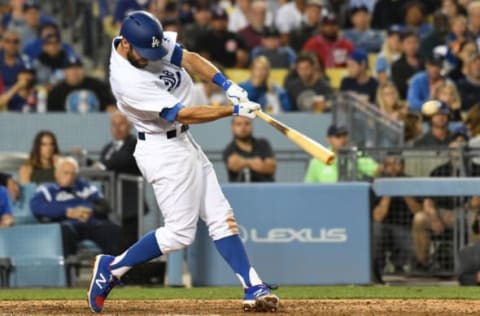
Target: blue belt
{"x": 170, "y": 134}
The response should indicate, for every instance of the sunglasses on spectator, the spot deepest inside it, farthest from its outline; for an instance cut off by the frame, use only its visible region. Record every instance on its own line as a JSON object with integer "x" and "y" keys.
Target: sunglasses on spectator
{"x": 11, "y": 40}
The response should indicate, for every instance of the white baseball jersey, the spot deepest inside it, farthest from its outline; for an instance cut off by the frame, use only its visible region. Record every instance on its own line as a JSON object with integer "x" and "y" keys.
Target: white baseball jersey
{"x": 142, "y": 94}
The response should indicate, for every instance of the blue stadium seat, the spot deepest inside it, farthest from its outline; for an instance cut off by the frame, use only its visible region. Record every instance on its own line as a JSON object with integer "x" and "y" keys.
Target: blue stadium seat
{"x": 36, "y": 253}
{"x": 21, "y": 207}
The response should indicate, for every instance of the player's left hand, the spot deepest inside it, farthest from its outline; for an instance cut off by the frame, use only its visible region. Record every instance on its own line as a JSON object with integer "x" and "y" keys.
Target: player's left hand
{"x": 246, "y": 109}
{"x": 236, "y": 94}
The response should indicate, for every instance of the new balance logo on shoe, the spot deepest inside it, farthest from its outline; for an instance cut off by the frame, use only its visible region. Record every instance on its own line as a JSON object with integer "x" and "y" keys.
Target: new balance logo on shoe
{"x": 101, "y": 281}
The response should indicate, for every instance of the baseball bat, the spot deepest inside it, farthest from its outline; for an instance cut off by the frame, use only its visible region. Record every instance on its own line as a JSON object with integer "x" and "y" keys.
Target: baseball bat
{"x": 310, "y": 146}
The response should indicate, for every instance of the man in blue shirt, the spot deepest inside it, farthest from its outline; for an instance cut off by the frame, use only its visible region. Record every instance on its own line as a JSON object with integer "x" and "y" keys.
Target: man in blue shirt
{"x": 11, "y": 61}
{"x": 79, "y": 207}
{"x": 361, "y": 35}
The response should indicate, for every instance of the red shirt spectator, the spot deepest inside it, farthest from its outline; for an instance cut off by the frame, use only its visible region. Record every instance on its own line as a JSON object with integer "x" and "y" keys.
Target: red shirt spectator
{"x": 331, "y": 49}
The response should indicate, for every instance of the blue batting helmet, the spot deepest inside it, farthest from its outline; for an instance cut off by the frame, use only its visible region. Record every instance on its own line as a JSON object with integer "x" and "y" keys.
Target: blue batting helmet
{"x": 145, "y": 33}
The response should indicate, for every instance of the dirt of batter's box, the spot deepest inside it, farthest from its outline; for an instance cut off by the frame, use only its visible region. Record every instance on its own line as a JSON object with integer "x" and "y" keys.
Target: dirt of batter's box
{"x": 365, "y": 307}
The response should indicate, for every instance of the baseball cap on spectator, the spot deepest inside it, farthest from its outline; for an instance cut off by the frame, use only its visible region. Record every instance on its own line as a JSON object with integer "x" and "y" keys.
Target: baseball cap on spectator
{"x": 270, "y": 31}
{"x": 318, "y": 3}
{"x": 51, "y": 38}
{"x": 72, "y": 61}
{"x": 329, "y": 18}
{"x": 219, "y": 14}
{"x": 360, "y": 56}
{"x": 31, "y": 4}
{"x": 395, "y": 29}
{"x": 359, "y": 8}
{"x": 460, "y": 130}
{"x": 336, "y": 130}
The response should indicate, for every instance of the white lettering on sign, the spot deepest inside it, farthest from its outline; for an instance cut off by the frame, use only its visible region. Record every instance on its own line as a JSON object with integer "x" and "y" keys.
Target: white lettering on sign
{"x": 287, "y": 235}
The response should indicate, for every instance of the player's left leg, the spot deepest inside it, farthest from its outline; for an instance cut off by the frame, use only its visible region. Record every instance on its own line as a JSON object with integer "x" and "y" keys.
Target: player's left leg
{"x": 218, "y": 215}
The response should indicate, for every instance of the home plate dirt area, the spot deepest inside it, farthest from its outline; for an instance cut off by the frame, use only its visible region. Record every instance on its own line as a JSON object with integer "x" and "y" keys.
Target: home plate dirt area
{"x": 348, "y": 307}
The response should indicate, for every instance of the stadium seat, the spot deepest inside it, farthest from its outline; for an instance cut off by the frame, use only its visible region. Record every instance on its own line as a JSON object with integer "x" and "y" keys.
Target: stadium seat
{"x": 36, "y": 254}
{"x": 336, "y": 75}
{"x": 21, "y": 207}
{"x": 11, "y": 161}
{"x": 238, "y": 75}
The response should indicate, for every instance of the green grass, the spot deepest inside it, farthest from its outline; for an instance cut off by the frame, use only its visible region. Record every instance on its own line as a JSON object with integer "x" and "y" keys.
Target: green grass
{"x": 286, "y": 292}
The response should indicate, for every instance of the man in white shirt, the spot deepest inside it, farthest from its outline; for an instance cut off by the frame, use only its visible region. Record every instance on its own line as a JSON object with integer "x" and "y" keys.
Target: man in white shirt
{"x": 148, "y": 76}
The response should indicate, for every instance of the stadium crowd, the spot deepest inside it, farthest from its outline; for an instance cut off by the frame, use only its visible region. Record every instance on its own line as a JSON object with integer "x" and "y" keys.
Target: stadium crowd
{"x": 292, "y": 56}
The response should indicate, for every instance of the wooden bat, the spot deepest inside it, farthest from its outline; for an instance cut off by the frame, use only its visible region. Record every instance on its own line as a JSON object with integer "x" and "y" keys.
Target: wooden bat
{"x": 310, "y": 146}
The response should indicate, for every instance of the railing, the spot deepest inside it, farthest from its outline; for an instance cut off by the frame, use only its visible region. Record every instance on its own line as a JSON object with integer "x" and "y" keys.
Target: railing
{"x": 368, "y": 125}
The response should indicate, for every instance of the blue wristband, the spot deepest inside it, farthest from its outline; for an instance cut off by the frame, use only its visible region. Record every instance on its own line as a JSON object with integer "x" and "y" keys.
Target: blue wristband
{"x": 221, "y": 81}
{"x": 236, "y": 109}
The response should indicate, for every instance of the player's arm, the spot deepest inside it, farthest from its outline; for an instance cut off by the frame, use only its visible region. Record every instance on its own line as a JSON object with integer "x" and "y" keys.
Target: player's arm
{"x": 196, "y": 64}
{"x": 202, "y": 113}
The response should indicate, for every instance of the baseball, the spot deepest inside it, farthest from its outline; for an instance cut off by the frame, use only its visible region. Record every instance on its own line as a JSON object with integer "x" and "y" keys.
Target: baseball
{"x": 430, "y": 107}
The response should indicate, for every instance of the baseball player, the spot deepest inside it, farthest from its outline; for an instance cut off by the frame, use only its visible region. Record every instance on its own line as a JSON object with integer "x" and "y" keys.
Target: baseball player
{"x": 150, "y": 80}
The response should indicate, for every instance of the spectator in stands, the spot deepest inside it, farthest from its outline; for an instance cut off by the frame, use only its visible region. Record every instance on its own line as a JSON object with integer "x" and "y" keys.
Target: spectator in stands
{"x": 248, "y": 159}
{"x": 79, "y": 93}
{"x": 451, "y": 8}
{"x": 17, "y": 18}
{"x": 319, "y": 172}
{"x": 458, "y": 34}
{"x": 387, "y": 13}
{"x": 415, "y": 18}
{"x": 472, "y": 121}
{"x": 7, "y": 181}
{"x": 31, "y": 22}
{"x": 21, "y": 97}
{"x": 331, "y": 48}
{"x": 289, "y": 17}
{"x": 437, "y": 36}
{"x": 221, "y": 45}
{"x": 117, "y": 156}
{"x": 253, "y": 31}
{"x": 79, "y": 207}
{"x": 438, "y": 213}
{"x": 423, "y": 84}
{"x": 388, "y": 100}
{"x": 271, "y": 47}
{"x": 11, "y": 61}
{"x": 473, "y": 10}
{"x": 469, "y": 86}
{"x": 6, "y": 209}
{"x": 310, "y": 25}
{"x": 413, "y": 127}
{"x": 466, "y": 51}
{"x": 49, "y": 64}
{"x": 33, "y": 48}
{"x": 447, "y": 92}
{"x": 358, "y": 79}
{"x": 308, "y": 84}
{"x": 408, "y": 64}
{"x": 390, "y": 53}
{"x": 40, "y": 164}
{"x": 192, "y": 32}
{"x": 361, "y": 35}
{"x": 271, "y": 97}
{"x": 438, "y": 135}
{"x": 238, "y": 18}
{"x": 392, "y": 220}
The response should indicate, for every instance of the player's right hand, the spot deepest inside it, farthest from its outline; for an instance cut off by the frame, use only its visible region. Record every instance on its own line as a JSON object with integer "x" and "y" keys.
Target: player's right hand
{"x": 246, "y": 109}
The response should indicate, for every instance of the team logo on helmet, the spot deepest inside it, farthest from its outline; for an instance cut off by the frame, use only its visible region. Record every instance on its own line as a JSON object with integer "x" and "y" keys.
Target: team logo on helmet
{"x": 155, "y": 42}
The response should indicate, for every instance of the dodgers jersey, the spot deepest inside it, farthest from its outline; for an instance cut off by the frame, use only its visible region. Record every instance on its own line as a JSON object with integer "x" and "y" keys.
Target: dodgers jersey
{"x": 142, "y": 94}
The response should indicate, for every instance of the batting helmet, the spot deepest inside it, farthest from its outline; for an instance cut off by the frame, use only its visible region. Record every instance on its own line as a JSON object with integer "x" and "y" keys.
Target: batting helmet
{"x": 145, "y": 33}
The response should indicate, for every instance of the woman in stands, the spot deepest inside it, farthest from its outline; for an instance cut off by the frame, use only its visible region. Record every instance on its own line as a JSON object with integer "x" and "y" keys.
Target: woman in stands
{"x": 39, "y": 166}
{"x": 388, "y": 100}
{"x": 448, "y": 93}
